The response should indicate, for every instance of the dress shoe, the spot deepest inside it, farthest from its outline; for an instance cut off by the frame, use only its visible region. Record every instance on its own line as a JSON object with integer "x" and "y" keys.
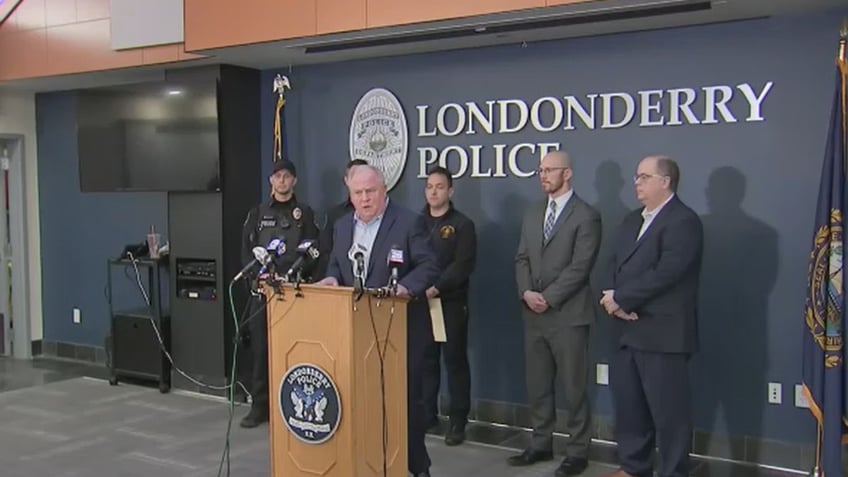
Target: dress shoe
{"x": 426, "y": 473}
{"x": 529, "y": 457}
{"x": 571, "y": 466}
{"x": 254, "y": 418}
{"x": 455, "y": 435}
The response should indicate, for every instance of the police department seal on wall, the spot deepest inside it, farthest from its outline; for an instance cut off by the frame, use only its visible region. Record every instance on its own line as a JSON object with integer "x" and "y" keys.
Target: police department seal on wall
{"x": 379, "y": 134}
{"x": 309, "y": 403}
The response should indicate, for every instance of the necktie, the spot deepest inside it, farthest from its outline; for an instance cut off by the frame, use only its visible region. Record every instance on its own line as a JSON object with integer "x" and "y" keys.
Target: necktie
{"x": 549, "y": 221}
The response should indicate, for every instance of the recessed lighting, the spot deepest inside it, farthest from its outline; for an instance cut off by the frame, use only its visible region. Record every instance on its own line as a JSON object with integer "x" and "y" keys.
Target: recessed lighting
{"x": 175, "y": 92}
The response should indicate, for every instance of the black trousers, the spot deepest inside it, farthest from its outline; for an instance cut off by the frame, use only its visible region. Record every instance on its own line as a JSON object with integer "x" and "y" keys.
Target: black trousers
{"x": 651, "y": 398}
{"x": 258, "y": 326}
{"x": 419, "y": 339}
{"x": 455, "y": 352}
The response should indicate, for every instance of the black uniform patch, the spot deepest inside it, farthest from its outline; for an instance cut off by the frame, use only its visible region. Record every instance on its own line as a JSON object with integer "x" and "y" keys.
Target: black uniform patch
{"x": 268, "y": 221}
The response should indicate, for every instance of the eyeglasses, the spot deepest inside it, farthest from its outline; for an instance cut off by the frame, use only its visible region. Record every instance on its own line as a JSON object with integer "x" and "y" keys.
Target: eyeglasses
{"x": 643, "y": 177}
{"x": 548, "y": 170}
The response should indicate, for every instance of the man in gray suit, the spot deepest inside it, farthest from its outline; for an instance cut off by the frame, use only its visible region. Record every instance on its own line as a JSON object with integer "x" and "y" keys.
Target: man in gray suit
{"x": 559, "y": 243}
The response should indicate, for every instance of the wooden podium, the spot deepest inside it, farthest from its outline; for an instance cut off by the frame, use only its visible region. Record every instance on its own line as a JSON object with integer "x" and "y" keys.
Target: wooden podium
{"x": 325, "y": 387}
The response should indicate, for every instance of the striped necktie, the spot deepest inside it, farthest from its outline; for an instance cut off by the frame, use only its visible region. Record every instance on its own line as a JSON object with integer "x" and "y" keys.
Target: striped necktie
{"x": 550, "y": 220}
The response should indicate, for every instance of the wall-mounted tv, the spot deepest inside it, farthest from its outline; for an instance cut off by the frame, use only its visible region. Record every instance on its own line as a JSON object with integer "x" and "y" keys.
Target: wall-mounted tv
{"x": 158, "y": 136}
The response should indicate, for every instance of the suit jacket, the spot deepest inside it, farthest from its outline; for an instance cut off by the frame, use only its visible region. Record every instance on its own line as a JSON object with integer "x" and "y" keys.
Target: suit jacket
{"x": 657, "y": 277}
{"x": 560, "y": 269}
{"x": 325, "y": 242}
{"x": 400, "y": 228}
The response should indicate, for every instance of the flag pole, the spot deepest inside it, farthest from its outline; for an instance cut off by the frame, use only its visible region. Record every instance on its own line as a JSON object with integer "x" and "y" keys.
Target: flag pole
{"x": 816, "y": 472}
{"x": 841, "y": 65}
{"x": 281, "y": 84}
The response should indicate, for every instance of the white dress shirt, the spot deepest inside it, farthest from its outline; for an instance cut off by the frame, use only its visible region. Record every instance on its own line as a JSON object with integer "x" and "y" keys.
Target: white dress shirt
{"x": 649, "y": 216}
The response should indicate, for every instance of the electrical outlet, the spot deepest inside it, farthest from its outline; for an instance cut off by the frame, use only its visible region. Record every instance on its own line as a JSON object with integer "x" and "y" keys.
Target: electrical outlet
{"x": 77, "y": 315}
{"x": 602, "y": 374}
{"x": 775, "y": 392}
{"x": 800, "y": 397}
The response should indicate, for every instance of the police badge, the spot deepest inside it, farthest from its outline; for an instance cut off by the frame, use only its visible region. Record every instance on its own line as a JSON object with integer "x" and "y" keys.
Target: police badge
{"x": 379, "y": 133}
{"x": 297, "y": 213}
{"x": 447, "y": 232}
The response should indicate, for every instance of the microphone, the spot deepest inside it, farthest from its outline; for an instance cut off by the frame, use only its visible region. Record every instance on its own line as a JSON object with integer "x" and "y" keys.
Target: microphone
{"x": 395, "y": 261}
{"x": 260, "y": 255}
{"x": 356, "y": 254}
{"x": 307, "y": 250}
{"x": 276, "y": 248}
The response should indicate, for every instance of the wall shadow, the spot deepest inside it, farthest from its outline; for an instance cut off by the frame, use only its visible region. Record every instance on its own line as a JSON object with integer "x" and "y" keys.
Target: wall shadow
{"x": 740, "y": 265}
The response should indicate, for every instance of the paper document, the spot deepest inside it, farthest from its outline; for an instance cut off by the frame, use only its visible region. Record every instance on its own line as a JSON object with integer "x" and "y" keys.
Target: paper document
{"x": 438, "y": 320}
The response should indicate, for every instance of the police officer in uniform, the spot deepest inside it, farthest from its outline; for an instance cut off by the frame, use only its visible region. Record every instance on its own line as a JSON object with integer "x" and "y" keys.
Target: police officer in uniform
{"x": 454, "y": 238}
{"x": 282, "y": 217}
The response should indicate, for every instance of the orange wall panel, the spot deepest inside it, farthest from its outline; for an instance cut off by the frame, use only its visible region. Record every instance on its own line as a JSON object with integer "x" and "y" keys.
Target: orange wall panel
{"x": 11, "y": 23}
{"x": 86, "y": 46}
{"x": 54, "y": 37}
{"x": 60, "y": 12}
{"x": 24, "y": 53}
{"x": 219, "y": 23}
{"x": 92, "y": 10}
{"x": 31, "y": 14}
{"x": 340, "y": 15}
{"x": 383, "y": 13}
{"x": 160, "y": 54}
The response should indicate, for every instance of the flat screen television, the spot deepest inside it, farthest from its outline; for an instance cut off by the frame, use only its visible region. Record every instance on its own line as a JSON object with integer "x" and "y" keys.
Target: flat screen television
{"x": 157, "y": 136}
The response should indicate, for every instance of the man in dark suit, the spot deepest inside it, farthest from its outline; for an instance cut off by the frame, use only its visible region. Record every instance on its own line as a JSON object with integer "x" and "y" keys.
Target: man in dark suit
{"x": 559, "y": 244}
{"x": 651, "y": 293}
{"x": 377, "y": 226}
{"x": 325, "y": 242}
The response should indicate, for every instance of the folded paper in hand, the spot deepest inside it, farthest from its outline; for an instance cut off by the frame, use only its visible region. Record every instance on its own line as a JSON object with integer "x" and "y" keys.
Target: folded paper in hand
{"x": 438, "y": 320}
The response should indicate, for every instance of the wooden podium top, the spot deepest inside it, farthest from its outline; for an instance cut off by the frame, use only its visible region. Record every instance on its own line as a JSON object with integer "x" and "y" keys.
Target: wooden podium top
{"x": 331, "y": 290}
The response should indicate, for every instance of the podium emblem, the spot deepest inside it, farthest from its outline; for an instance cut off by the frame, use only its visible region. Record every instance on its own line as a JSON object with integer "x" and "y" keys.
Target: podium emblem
{"x": 309, "y": 403}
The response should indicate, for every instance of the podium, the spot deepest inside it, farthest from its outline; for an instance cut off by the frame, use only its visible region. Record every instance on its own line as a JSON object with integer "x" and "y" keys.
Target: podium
{"x": 325, "y": 388}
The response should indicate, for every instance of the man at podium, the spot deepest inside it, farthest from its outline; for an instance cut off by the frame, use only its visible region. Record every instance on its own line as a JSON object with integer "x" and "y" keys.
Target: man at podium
{"x": 380, "y": 237}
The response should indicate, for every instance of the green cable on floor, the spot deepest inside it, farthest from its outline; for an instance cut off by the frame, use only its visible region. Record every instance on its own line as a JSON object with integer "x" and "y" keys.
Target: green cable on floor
{"x": 231, "y": 404}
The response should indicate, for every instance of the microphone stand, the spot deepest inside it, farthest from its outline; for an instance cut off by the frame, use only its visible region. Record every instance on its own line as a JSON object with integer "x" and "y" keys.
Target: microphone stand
{"x": 358, "y": 286}
{"x": 298, "y": 278}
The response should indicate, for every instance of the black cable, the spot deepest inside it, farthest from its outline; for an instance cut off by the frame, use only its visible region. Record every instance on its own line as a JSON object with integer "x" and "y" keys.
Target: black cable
{"x": 381, "y": 354}
{"x": 225, "y": 456}
{"x": 159, "y": 338}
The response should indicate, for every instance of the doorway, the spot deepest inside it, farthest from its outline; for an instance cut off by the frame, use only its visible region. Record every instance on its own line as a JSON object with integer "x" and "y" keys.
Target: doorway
{"x": 14, "y": 277}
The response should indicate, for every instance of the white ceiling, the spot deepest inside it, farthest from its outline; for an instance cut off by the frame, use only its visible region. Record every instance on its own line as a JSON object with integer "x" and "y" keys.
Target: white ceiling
{"x": 599, "y": 17}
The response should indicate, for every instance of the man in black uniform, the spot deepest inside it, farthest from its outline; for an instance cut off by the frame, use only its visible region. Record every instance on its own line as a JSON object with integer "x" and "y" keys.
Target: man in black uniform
{"x": 281, "y": 217}
{"x": 325, "y": 244}
{"x": 454, "y": 239}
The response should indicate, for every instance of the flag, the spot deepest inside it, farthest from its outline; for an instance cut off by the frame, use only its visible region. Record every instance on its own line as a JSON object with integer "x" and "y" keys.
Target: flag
{"x": 823, "y": 360}
{"x": 281, "y": 83}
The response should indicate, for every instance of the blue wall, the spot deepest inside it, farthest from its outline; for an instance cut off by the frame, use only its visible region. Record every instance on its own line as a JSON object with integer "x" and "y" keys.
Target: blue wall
{"x": 79, "y": 232}
{"x": 754, "y": 183}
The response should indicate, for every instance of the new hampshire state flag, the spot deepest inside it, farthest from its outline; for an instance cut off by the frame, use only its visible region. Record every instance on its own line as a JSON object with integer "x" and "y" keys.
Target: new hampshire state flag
{"x": 824, "y": 370}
